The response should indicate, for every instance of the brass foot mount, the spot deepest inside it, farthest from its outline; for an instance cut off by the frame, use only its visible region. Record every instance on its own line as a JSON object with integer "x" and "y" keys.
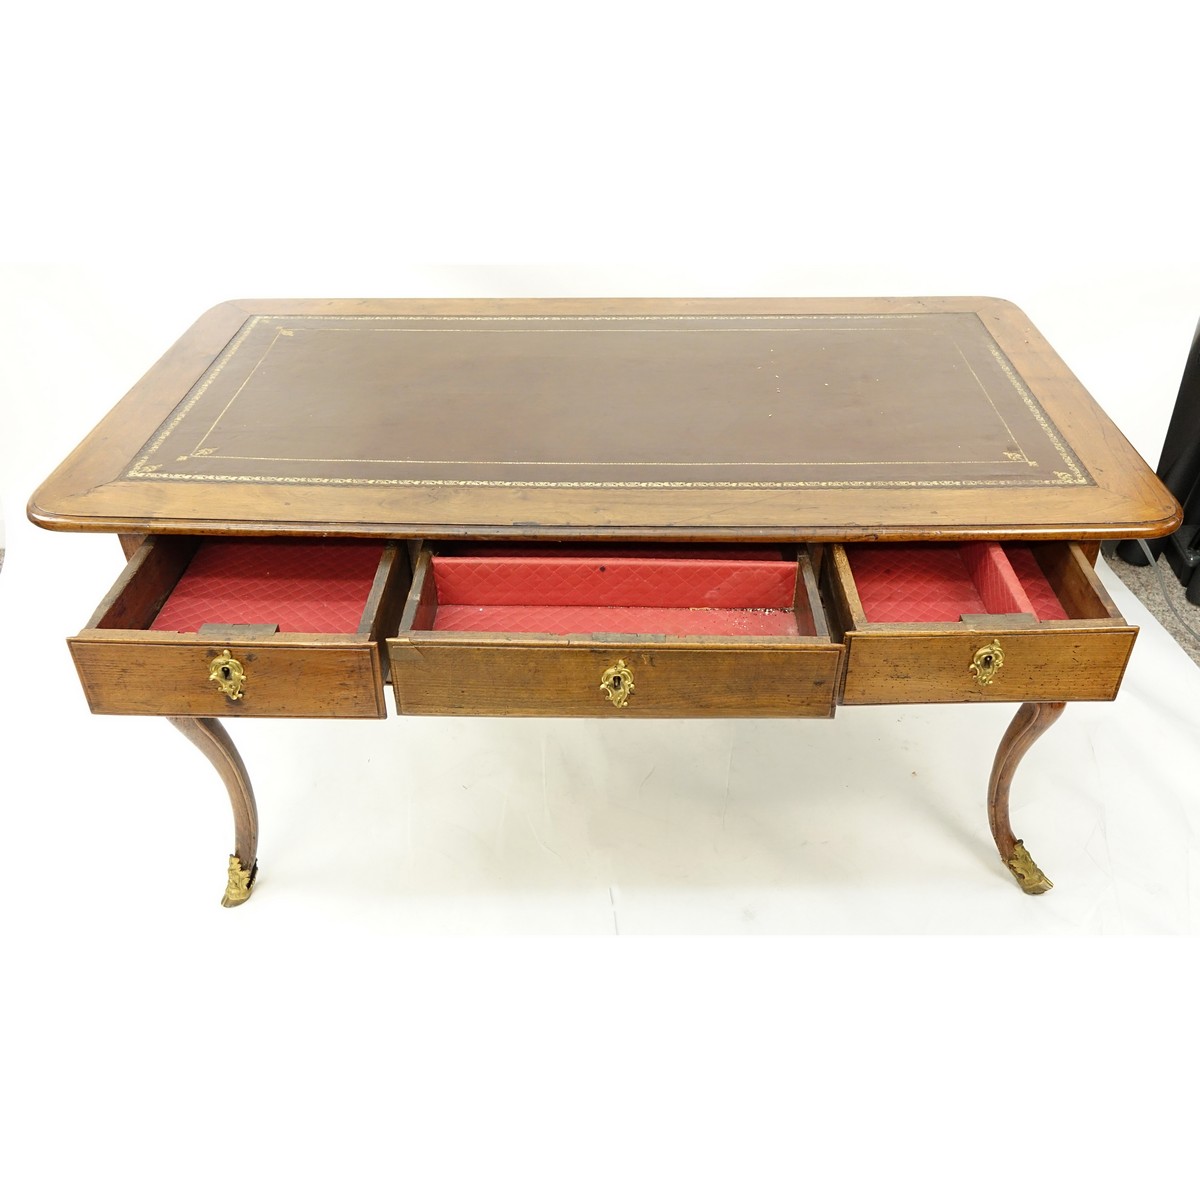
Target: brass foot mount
{"x": 241, "y": 880}
{"x": 1026, "y": 872}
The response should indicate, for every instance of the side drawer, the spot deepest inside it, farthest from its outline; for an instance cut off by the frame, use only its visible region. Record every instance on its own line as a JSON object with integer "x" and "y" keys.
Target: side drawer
{"x": 1045, "y": 628}
{"x": 295, "y": 630}
{"x": 453, "y": 656}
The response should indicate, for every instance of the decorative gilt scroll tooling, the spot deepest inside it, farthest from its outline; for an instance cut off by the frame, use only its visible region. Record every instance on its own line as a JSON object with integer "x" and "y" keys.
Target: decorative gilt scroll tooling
{"x": 241, "y": 880}
{"x": 986, "y": 662}
{"x": 617, "y": 684}
{"x": 228, "y": 674}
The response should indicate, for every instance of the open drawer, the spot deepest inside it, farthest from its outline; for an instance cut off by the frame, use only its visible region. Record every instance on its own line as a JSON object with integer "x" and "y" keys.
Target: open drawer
{"x": 929, "y": 622}
{"x": 611, "y": 631}
{"x": 228, "y": 627}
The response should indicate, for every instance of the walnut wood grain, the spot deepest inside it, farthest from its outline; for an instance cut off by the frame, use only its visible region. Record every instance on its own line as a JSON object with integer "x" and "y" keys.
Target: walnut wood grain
{"x": 154, "y": 568}
{"x": 1116, "y": 496}
{"x": 521, "y": 676}
{"x": 421, "y": 608}
{"x": 136, "y": 672}
{"x": 1078, "y": 587}
{"x": 388, "y": 595}
{"x": 435, "y": 672}
{"x": 127, "y": 668}
{"x": 1083, "y": 658}
{"x": 1030, "y": 722}
{"x": 810, "y": 611}
{"x": 690, "y": 409}
{"x": 934, "y": 667}
{"x": 210, "y": 738}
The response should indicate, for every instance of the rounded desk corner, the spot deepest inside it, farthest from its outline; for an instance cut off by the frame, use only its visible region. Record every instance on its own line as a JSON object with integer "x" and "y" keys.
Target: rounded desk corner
{"x": 997, "y": 308}
{"x": 43, "y": 517}
{"x": 53, "y": 510}
{"x": 1171, "y": 520}
{"x": 231, "y": 308}
{"x": 1157, "y": 520}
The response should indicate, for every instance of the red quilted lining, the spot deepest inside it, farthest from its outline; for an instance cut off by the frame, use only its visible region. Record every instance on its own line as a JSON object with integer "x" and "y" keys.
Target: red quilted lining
{"x": 622, "y": 582}
{"x": 584, "y": 619}
{"x": 608, "y": 550}
{"x": 614, "y": 594}
{"x": 302, "y": 585}
{"x": 994, "y": 579}
{"x": 945, "y": 582}
{"x": 1045, "y": 601}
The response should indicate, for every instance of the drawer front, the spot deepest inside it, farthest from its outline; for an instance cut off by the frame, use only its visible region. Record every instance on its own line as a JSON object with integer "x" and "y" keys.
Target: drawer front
{"x": 1041, "y": 664}
{"x": 135, "y": 673}
{"x": 449, "y": 676}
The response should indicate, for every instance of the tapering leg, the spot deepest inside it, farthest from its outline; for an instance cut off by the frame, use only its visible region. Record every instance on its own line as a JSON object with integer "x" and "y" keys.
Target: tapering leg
{"x": 1031, "y": 721}
{"x": 208, "y": 734}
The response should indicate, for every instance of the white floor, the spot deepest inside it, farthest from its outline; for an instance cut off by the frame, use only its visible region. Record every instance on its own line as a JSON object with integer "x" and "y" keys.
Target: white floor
{"x": 306, "y": 1042}
{"x": 324, "y": 1040}
{"x": 873, "y": 822}
{"x": 327, "y": 1037}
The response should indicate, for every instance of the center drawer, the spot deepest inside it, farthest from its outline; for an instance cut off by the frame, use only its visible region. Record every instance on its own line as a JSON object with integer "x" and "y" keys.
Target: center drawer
{"x": 974, "y": 621}
{"x": 613, "y": 632}
{"x": 232, "y": 627}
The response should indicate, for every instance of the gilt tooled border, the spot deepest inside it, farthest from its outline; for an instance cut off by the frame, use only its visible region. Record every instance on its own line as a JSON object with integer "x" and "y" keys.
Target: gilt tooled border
{"x": 144, "y": 468}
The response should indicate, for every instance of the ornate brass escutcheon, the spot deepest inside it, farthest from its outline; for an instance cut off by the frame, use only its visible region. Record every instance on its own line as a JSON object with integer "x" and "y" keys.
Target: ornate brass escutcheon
{"x": 617, "y": 684}
{"x": 986, "y": 661}
{"x": 228, "y": 674}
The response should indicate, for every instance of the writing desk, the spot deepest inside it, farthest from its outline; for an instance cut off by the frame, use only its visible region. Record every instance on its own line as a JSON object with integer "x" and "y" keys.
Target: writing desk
{"x": 605, "y": 508}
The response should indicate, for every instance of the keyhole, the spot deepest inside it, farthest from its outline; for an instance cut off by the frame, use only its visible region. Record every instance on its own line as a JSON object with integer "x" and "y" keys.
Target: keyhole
{"x": 987, "y": 660}
{"x": 618, "y": 682}
{"x": 225, "y": 672}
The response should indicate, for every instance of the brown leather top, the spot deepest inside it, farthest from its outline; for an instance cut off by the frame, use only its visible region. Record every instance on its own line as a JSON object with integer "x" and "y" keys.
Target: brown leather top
{"x": 834, "y": 418}
{"x": 919, "y": 400}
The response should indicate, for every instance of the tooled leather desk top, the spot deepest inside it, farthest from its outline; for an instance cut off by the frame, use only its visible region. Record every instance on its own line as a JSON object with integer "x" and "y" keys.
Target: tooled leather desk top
{"x": 822, "y": 419}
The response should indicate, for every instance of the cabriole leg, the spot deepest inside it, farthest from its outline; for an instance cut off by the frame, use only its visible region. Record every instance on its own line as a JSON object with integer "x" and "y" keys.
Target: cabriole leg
{"x": 1031, "y": 721}
{"x": 208, "y": 734}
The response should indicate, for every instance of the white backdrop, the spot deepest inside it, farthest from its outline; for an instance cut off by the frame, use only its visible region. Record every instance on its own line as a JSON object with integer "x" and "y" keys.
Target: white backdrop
{"x": 330, "y": 1033}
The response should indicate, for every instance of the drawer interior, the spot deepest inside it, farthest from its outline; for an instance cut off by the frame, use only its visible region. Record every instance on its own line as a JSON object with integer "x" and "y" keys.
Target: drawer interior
{"x": 923, "y": 583}
{"x": 573, "y": 590}
{"x": 264, "y": 585}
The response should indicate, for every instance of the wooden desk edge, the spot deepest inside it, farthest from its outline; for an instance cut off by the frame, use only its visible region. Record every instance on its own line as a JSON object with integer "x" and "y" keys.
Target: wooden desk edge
{"x": 86, "y": 494}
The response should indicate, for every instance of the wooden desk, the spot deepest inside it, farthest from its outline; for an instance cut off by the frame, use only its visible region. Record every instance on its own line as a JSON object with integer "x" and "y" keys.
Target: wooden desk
{"x": 609, "y": 508}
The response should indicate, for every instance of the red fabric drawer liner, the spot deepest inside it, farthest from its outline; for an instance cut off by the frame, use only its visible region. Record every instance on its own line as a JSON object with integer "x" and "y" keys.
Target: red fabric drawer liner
{"x": 994, "y": 579}
{"x": 1045, "y": 601}
{"x": 738, "y": 552}
{"x": 303, "y": 585}
{"x": 602, "y": 593}
{"x": 582, "y": 619}
{"x": 931, "y": 582}
{"x": 601, "y": 582}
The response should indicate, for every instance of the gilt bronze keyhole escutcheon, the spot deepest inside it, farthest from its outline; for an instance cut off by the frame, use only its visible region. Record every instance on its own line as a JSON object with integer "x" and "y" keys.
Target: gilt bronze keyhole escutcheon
{"x": 986, "y": 661}
{"x": 228, "y": 674}
{"x": 617, "y": 684}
